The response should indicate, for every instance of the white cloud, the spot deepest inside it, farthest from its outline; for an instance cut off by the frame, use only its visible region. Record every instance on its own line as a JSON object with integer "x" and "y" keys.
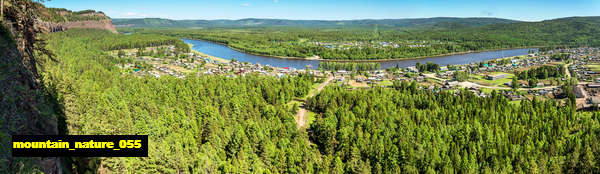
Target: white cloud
{"x": 245, "y": 4}
{"x": 276, "y": 1}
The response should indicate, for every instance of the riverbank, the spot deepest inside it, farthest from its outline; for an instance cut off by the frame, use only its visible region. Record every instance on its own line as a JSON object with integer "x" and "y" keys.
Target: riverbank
{"x": 218, "y": 59}
{"x": 440, "y": 55}
{"x": 375, "y": 60}
{"x": 315, "y": 57}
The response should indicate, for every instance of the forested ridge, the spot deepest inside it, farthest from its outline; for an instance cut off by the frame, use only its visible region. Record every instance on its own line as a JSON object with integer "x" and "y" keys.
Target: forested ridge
{"x": 106, "y": 41}
{"x": 416, "y": 42}
{"x": 245, "y": 124}
{"x": 408, "y": 130}
{"x": 219, "y": 124}
{"x": 253, "y": 22}
{"x": 197, "y": 125}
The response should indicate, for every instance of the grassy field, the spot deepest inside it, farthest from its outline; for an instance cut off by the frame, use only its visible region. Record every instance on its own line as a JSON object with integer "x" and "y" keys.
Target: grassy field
{"x": 313, "y": 89}
{"x": 386, "y": 83}
{"x": 594, "y": 67}
{"x": 487, "y": 90}
{"x": 481, "y": 79}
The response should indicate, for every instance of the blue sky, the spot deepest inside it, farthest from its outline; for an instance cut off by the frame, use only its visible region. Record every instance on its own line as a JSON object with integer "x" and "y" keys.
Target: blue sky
{"x": 527, "y": 10}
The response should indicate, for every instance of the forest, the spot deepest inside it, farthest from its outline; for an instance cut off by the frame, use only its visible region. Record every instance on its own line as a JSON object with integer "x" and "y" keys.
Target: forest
{"x": 213, "y": 124}
{"x": 64, "y": 15}
{"x": 542, "y": 72}
{"x": 409, "y": 130}
{"x": 427, "y": 67}
{"x": 253, "y": 22}
{"x": 201, "y": 124}
{"x": 245, "y": 124}
{"x": 413, "y": 42}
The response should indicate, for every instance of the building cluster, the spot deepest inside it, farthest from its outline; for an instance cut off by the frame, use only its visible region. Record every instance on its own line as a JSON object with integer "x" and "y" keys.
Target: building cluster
{"x": 586, "y": 63}
{"x": 585, "y": 66}
{"x": 580, "y": 59}
{"x": 203, "y": 65}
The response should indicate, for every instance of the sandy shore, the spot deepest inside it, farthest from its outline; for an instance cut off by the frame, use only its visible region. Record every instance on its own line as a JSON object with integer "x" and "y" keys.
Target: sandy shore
{"x": 218, "y": 59}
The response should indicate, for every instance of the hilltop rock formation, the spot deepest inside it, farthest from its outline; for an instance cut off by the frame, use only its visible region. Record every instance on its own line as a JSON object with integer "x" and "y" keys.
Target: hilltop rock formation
{"x": 57, "y": 19}
{"x": 62, "y": 26}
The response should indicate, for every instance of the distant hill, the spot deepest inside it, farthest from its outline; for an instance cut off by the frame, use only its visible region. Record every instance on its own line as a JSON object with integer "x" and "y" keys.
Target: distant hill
{"x": 572, "y": 31}
{"x": 252, "y": 22}
{"x": 64, "y": 15}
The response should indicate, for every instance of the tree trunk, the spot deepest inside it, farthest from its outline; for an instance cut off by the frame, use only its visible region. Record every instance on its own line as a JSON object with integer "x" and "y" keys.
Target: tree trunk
{"x": 2, "y": 10}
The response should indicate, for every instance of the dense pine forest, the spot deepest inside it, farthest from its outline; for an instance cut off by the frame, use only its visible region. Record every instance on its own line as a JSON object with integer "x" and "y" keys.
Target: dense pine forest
{"x": 218, "y": 124}
{"x": 413, "y": 42}
{"x": 200, "y": 124}
{"x": 409, "y": 130}
{"x": 68, "y": 83}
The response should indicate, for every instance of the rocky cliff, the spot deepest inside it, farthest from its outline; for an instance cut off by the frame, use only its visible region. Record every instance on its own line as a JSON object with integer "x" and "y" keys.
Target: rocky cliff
{"x": 26, "y": 106}
{"x": 61, "y": 26}
{"x": 56, "y": 19}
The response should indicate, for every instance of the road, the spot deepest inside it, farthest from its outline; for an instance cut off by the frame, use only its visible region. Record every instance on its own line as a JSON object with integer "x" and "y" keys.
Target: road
{"x": 567, "y": 70}
{"x": 468, "y": 84}
{"x": 432, "y": 76}
{"x": 301, "y": 114}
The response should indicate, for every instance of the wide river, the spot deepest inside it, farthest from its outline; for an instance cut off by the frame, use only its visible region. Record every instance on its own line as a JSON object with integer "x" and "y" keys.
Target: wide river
{"x": 225, "y": 52}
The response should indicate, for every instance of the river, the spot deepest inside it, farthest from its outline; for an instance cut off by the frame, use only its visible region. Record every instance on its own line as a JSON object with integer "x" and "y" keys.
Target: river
{"x": 225, "y": 52}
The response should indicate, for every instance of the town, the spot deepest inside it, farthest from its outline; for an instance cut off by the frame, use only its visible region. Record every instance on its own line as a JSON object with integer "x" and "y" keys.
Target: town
{"x": 542, "y": 74}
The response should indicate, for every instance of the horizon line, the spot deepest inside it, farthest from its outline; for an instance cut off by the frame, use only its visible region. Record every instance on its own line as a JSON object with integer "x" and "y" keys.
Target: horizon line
{"x": 358, "y": 19}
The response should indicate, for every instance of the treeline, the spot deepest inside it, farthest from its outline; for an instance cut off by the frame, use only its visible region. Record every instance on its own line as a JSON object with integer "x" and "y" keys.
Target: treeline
{"x": 297, "y": 41}
{"x": 208, "y": 124}
{"x": 215, "y": 124}
{"x": 562, "y": 56}
{"x": 350, "y": 66}
{"x": 107, "y": 41}
{"x": 460, "y": 76}
{"x": 542, "y": 72}
{"x": 64, "y": 15}
{"x": 409, "y": 130}
{"x": 428, "y": 66}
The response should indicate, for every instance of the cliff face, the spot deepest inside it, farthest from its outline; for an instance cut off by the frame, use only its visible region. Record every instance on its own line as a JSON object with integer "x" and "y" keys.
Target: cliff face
{"x": 25, "y": 109}
{"x": 61, "y": 26}
{"x": 53, "y": 20}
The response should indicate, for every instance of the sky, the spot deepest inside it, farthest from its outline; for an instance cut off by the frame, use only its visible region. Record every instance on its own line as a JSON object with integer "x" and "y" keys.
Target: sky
{"x": 525, "y": 10}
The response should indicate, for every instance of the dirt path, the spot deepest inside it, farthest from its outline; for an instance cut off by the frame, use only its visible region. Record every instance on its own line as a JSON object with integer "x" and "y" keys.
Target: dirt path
{"x": 471, "y": 84}
{"x": 432, "y": 76}
{"x": 301, "y": 115}
{"x": 567, "y": 70}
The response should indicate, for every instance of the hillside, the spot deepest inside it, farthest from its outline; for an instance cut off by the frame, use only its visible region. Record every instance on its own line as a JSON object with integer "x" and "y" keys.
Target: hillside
{"x": 357, "y": 43}
{"x": 27, "y": 107}
{"x": 251, "y": 22}
{"x": 64, "y": 15}
{"x": 572, "y": 31}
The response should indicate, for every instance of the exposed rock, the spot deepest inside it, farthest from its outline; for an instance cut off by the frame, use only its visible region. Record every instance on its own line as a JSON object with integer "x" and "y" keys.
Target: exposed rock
{"x": 55, "y": 19}
{"x": 62, "y": 26}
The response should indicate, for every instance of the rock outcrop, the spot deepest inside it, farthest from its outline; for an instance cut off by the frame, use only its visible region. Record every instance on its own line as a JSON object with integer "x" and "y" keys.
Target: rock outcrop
{"x": 56, "y": 19}
{"x": 62, "y": 26}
